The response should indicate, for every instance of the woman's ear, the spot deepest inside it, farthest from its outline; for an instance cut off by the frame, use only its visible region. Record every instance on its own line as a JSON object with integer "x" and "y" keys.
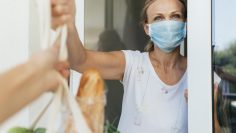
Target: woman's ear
{"x": 146, "y": 28}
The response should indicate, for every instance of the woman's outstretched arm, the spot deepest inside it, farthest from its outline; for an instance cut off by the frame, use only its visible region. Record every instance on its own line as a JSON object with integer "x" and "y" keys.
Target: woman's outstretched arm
{"x": 111, "y": 65}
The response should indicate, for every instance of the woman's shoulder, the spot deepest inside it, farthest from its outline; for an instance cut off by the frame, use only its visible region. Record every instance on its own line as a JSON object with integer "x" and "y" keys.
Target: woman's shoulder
{"x": 134, "y": 53}
{"x": 134, "y": 57}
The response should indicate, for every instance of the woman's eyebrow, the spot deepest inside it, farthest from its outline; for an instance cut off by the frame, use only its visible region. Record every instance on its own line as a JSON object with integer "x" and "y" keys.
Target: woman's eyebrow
{"x": 176, "y": 12}
{"x": 157, "y": 14}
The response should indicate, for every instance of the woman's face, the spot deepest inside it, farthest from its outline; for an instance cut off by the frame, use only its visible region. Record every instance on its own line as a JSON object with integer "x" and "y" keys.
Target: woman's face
{"x": 161, "y": 10}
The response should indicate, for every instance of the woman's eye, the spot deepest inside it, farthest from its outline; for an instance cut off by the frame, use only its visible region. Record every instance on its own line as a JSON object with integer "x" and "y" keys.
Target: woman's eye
{"x": 176, "y": 17}
{"x": 158, "y": 18}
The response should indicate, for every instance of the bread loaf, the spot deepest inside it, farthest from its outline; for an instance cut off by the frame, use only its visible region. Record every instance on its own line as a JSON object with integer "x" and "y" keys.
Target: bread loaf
{"x": 91, "y": 99}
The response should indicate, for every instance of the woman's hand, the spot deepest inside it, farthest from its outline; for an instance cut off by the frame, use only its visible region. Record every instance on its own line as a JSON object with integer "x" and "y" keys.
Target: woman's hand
{"x": 63, "y": 12}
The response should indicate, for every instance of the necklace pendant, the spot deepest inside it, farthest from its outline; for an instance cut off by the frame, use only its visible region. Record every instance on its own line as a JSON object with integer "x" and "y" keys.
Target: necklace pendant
{"x": 164, "y": 91}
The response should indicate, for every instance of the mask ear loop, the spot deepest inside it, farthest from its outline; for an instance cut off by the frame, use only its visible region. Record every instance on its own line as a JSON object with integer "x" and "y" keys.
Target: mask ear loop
{"x": 185, "y": 29}
{"x": 149, "y": 29}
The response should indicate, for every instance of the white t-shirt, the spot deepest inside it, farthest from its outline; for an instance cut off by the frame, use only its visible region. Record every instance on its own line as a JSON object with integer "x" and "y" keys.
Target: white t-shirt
{"x": 150, "y": 105}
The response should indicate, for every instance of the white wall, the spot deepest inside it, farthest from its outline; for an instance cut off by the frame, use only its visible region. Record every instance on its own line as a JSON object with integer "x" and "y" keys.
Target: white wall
{"x": 13, "y": 45}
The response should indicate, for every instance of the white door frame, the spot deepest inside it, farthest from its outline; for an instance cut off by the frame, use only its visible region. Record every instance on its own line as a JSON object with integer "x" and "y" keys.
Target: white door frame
{"x": 199, "y": 66}
{"x": 199, "y": 63}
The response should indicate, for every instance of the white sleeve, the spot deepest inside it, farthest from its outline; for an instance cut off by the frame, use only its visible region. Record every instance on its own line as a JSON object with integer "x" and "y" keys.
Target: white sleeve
{"x": 131, "y": 61}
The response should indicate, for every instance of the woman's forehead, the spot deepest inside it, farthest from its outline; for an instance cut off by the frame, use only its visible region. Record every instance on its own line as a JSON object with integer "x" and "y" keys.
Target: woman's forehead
{"x": 165, "y": 6}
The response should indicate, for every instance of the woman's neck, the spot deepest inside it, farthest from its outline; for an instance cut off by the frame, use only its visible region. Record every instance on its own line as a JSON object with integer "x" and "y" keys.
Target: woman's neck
{"x": 164, "y": 60}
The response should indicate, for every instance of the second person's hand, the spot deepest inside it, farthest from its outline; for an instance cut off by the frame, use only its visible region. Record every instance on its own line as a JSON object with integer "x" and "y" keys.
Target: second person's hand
{"x": 47, "y": 63}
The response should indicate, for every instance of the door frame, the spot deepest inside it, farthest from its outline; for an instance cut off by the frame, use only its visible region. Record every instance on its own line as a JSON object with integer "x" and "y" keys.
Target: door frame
{"x": 200, "y": 116}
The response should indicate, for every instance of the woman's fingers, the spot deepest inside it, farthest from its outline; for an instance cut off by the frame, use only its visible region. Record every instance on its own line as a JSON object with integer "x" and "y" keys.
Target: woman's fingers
{"x": 56, "y": 2}
{"x": 60, "y": 12}
{"x": 63, "y": 12}
{"x": 58, "y": 21}
{"x": 60, "y": 9}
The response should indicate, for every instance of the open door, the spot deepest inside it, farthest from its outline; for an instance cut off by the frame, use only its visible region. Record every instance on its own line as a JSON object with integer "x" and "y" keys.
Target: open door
{"x": 200, "y": 66}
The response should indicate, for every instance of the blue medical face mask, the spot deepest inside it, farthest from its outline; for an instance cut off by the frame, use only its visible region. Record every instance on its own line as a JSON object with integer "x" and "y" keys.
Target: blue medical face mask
{"x": 167, "y": 35}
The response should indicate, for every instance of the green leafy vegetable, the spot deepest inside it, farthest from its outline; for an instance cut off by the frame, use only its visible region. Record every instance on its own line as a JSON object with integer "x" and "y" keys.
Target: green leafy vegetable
{"x": 20, "y": 130}
{"x": 26, "y": 130}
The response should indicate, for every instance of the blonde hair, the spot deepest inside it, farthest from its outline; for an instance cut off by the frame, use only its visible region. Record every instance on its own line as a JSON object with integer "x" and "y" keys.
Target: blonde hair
{"x": 144, "y": 19}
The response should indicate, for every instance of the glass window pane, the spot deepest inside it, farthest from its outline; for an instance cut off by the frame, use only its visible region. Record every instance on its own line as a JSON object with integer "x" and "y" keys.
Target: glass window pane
{"x": 225, "y": 62}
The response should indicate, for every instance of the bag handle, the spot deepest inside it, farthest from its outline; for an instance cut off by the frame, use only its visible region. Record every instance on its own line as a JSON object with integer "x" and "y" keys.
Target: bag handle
{"x": 44, "y": 10}
{"x": 63, "y": 95}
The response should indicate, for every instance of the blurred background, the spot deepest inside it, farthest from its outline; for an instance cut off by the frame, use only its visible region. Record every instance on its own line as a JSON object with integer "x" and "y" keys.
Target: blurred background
{"x": 224, "y": 58}
{"x": 225, "y": 34}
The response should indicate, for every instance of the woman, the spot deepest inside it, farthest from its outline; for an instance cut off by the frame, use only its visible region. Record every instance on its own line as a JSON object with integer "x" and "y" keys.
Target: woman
{"x": 154, "y": 81}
